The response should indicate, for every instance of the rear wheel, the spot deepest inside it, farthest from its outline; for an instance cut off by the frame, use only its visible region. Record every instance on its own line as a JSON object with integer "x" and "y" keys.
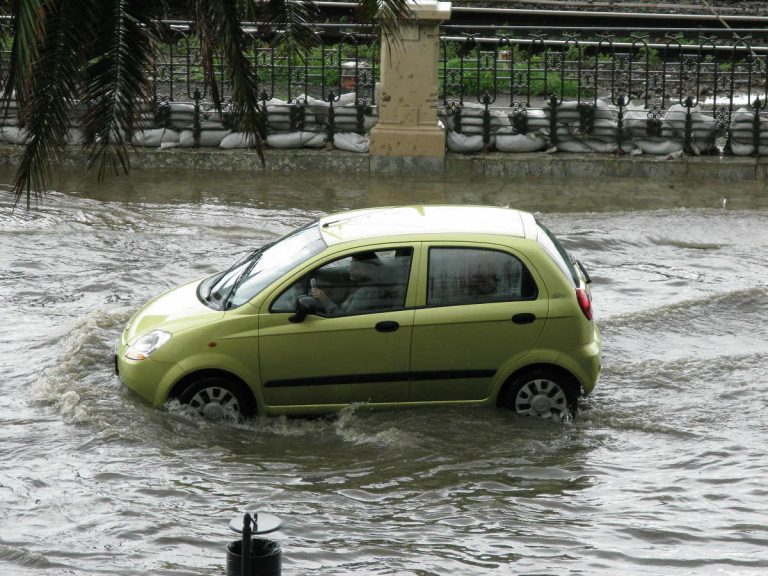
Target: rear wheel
{"x": 543, "y": 394}
{"x": 217, "y": 398}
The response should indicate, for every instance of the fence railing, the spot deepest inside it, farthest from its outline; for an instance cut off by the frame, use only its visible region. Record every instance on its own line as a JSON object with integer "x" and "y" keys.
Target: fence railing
{"x": 517, "y": 91}
{"x": 530, "y": 92}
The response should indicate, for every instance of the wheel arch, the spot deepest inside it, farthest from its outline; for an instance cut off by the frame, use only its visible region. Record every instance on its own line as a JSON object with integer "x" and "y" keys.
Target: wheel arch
{"x": 188, "y": 379}
{"x": 568, "y": 377}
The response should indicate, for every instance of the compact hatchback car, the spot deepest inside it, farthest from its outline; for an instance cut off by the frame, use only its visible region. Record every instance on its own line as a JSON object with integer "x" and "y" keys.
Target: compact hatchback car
{"x": 401, "y": 306}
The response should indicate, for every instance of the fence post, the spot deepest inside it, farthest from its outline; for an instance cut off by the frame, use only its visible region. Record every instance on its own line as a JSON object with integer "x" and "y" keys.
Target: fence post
{"x": 407, "y": 129}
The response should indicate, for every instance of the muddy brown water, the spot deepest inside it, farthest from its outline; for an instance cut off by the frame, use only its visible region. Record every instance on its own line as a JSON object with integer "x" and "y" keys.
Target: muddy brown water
{"x": 663, "y": 473}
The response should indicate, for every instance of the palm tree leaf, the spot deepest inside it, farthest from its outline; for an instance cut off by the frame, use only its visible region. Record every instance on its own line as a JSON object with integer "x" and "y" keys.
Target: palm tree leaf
{"x": 291, "y": 22}
{"x": 27, "y": 20}
{"x": 49, "y": 89}
{"x": 389, "y": 14}
{"x": 220, "y": 32}
{"x": 117, "y": 85}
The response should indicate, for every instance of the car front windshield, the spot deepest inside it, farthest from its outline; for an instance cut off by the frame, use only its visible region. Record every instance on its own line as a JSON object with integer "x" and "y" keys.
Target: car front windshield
{"x": 244, "y": 281}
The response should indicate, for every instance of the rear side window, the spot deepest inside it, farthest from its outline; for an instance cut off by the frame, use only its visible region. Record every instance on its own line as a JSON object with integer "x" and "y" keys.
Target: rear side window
{"x": 476, "y": 275}
{"x": 557, "y": 253}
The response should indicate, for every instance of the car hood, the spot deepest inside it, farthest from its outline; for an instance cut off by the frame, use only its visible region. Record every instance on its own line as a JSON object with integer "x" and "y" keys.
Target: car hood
{"x": 176, "y": 310}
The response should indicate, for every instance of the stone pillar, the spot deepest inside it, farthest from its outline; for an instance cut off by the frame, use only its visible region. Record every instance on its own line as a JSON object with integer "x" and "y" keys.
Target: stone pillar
{"x": 407, "y": 132}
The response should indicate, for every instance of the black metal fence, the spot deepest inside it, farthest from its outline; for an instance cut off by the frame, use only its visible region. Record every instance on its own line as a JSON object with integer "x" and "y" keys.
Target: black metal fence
{"x": 301, "y": 90}
{"x": 530, "y": 92}
{"x": 519, "y": 90}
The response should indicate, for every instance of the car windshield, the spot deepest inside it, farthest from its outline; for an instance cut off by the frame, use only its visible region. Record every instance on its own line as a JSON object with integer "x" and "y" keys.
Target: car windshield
{"x": 250, "y": 276}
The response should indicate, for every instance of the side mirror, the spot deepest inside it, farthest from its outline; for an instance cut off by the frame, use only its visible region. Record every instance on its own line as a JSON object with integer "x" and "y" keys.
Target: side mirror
{"x": 305, "y": 305}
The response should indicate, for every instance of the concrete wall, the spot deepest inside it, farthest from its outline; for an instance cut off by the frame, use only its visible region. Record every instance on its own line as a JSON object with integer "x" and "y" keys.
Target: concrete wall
{"x": 497, "y": 165}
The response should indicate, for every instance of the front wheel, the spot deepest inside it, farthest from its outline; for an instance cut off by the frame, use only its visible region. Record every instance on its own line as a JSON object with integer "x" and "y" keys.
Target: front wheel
{"x": 216, "y": 398}
{"x": 542, "y": 394}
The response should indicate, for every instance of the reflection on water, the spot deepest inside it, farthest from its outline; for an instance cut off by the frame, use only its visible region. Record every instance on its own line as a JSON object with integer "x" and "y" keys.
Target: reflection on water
{"x": 663, "y": 473}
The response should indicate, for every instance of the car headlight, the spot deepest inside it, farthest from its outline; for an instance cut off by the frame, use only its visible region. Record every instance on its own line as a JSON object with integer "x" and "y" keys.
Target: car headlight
{"x": 143, "y": 347}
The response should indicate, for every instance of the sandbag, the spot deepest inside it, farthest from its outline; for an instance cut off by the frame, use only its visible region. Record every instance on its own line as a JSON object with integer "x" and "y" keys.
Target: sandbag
{"x": 208, "y": 138}
{"x": 296, "y": 139}
{"x": 155, "y": 137}
{"x": 519, "y": 142}
{"x": 463, "y": 143}
{"x": 235, "y": 140}
{"x": 13, "y": 135}
{"x": 659, "y": 146}
{"x": 351, "y": 142}
{"x": 740, "y": 149}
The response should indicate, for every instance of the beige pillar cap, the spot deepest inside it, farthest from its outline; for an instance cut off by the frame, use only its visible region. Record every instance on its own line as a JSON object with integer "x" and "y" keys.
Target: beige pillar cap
{"x": 430, "y": 9}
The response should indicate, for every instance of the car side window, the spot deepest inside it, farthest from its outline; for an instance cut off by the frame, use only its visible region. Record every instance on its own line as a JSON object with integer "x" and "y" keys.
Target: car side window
{"x": 367, "y": 281}
{"x": 476, "y": 275}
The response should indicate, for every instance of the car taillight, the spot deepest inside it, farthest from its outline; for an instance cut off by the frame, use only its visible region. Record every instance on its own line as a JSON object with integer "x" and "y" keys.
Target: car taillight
{"x": 584, "y": 302}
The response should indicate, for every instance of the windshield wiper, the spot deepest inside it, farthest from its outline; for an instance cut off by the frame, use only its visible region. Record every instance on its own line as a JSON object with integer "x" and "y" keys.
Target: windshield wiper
{"x": 217, "y": 278}
{"x": 254, "y": 257}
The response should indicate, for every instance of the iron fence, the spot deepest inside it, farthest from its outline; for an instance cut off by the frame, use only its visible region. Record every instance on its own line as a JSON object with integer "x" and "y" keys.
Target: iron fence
{"x": 603, "y": 94}
{"x": 520, "y": 90}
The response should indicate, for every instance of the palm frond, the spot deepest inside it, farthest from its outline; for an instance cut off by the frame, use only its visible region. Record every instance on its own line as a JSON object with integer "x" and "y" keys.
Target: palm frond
{"x": 27, "y": 22}
{"x": 220, "y": 32}
{"x": 291, "y": 22}
{"x": 49, "y": 88}
{"x": 389, "y": 14}
{"x": 117, "y": 83}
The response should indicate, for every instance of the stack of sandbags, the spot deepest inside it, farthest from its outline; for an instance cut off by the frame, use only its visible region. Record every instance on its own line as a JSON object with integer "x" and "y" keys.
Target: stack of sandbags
{"x": 662, "y": 140}
{"x": 572, "y": 135}
{"x": 742, "y": 133}
{"x": 465, "y": 127}
{"x": 703, "y": 127}
{"x": 9, "y": 124}
{"x": 533, "y": 139}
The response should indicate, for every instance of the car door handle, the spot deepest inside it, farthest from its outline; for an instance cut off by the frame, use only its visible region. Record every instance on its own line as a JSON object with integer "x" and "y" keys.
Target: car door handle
{"x": 387, "y": 326}
{"x": 524, "y": 318}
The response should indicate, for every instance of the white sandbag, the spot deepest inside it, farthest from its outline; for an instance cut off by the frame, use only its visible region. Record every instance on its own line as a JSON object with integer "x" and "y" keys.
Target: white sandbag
{"x": 351, "y": 142}
{"x": 182, "y": 115}
{"x": 345, "y": 120}
{"x": 208, "y": 138}
{"x": 295, "y": 139}
{"x": 659, "y": 146}
{"x": 155, "y": 137}
{"x": 13, "y": 135}
{"x": 627, "y": 147}
{"x": 740, "y": 149}
{"x": 574, "y": 146}
{"x": 569, "y": 111}
{"x": 346, "y": 98}
{"x": 463, "y": 143}
{"x": 235, "y": 140}
{"x": 473, "y": 118}
{"x": 319, "y": 140}
{"x": 519, "y": 142}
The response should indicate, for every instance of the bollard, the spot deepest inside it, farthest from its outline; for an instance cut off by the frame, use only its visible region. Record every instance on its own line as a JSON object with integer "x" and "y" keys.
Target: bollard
{"x": 264, "y": 557}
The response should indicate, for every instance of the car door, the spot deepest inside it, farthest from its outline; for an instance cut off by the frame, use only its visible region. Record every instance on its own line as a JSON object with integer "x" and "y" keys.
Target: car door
{"x": 356, "y": 355}
{"x": 482, "y": 307}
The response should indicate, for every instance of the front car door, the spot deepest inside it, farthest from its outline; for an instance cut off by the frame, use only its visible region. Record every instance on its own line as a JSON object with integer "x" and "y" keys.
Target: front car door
{"x": 482, "y": 307}
{"x": 356, "y": 348}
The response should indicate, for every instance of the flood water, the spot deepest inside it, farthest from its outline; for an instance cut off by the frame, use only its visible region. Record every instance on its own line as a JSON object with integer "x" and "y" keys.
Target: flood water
{"x": 663, "y": 472}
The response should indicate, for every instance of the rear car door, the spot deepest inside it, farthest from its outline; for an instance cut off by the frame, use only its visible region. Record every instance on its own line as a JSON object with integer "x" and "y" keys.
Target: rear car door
{"x": 482, "y": 307}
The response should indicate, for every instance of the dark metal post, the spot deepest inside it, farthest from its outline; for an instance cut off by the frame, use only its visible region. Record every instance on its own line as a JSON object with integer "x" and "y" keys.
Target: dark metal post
{"x": 245, "y": 565}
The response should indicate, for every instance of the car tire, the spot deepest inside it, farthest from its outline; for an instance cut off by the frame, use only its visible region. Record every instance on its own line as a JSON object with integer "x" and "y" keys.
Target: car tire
{"x": 218, "y": 398}
{"x": 545, "y": 394}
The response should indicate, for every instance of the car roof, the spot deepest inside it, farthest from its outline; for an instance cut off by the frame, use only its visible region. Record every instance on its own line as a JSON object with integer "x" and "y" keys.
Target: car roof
{"x": 426, "y": 220}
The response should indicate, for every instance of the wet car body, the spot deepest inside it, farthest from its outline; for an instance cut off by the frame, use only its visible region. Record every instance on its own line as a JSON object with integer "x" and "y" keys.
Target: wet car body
{"x": 401, "y": 306}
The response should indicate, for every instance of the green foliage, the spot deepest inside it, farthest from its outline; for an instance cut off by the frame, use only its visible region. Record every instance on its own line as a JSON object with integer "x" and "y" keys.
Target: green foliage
{"x": 513, "y": 76}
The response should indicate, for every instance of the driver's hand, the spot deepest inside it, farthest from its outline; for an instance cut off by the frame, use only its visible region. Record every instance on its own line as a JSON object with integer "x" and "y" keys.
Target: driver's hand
{"x": 319, "y": 295}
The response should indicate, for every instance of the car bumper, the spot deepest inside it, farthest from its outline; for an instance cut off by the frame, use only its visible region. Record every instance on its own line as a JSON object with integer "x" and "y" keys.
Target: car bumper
{"x": 148, "y": 378}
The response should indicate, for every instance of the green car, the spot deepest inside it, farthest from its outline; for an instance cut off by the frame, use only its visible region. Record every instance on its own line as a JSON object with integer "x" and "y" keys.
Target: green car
{"x": 401, "y": 306}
